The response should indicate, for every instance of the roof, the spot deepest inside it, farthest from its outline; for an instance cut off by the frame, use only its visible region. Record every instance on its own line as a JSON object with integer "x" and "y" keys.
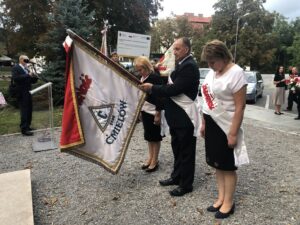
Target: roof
{"x": 196, "y": 19}
{"x": 5, "y": 58}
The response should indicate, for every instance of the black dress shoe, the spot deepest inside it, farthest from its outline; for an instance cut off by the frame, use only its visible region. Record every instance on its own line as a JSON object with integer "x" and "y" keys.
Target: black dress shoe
{"x": 27, "y": 133}
{"x": 180, "y": 191}
{"x": 220, "y": 215}
{"x": 213, "y": 209}
{"x": 31, "y": 129}
{"x": 144, "y": 166}
{"x": 297, "y": 118}
{"x": 150, "y": 170}
{"x": 168, "y": 182}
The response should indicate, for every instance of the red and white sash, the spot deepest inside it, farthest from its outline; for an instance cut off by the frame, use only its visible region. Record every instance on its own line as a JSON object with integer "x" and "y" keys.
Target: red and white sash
{"x": 224, "y": 119}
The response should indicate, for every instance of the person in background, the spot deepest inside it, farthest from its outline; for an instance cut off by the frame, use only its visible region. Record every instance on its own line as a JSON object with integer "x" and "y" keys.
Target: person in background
{"x": 298, "y": 104}
{"x": 290, "y": 69}
{"x": 115, "y": 57}
{"x": 150, "y": 113}
{"x": 279, "y": 95}
{"x": 224, "y": 100}
{"x": 292, "y": 97}
{"x": 23, "y": 78}
{"x": 155, "y": 66}
{"x": 182, "y": 115}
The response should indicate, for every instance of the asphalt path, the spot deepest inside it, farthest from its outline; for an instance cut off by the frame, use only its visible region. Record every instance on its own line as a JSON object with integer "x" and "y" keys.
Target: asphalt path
{"x": 267, "y": 99}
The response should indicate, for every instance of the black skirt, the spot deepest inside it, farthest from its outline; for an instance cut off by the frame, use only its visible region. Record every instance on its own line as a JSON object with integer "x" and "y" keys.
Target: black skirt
{"x": 218, "y": 154}
{"x": 151, "y": 131}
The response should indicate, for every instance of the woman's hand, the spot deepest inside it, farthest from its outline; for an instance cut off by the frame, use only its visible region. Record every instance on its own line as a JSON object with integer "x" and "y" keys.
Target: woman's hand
{"x": 157, "y": 118}
{"x": 140, "y": 117}
{"x": 232, "y": 140}
{"x": 202, "y": 130}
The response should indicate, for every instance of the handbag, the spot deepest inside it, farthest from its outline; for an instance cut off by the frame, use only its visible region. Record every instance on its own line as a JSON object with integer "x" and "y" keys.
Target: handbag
{"x": 13, "y": 89}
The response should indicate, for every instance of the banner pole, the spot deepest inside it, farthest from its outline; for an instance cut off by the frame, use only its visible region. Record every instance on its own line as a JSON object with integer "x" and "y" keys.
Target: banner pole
{"x": 130, "y": 76}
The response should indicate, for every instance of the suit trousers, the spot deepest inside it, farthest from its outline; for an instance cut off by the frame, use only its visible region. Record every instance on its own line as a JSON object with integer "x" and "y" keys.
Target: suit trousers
{"x": 25, "y": 105}
{"x": 297, "y": 100}
{"x": 184, "y": 150}
{"x": 291, "y": 98}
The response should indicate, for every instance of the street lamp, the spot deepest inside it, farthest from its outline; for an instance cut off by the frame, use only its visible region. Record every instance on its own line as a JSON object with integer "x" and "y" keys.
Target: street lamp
{"x": 236, "y": 33}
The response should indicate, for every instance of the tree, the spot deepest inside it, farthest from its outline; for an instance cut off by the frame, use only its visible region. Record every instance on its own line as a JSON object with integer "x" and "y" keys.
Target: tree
{"x": 165, "y": 31}
{"x": 126, "y": 15}
{"x": 255, "y": 43}
{"x": 294, "y": 51}
{"x": 163, "y": 34}
{"x": 284, "y": 39}
{"x": 23, "y": 21}
{"x": 67, "y": 14}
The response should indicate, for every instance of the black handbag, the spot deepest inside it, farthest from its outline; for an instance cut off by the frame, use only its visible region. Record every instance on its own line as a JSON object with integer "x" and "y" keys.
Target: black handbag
{"x": 13, "y": 89}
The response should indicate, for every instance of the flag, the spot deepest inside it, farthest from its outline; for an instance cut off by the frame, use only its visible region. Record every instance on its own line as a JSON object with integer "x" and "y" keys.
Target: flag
{"x": 67, "y": 43}
{"x": 167, "y": 62}
{"x": 103, "y": 48}
{"x": 102, "y": 103}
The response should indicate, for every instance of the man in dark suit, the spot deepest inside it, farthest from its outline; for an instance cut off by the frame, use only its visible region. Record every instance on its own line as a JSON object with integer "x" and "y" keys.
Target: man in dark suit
{"x": 182, "y": 87}
{"x": 23, "y": 79}
{"x": 292, "y": 97}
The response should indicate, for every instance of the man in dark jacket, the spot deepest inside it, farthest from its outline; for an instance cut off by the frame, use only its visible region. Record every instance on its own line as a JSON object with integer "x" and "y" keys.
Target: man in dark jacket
{"x": 182, "y": 87}
{"x": 292, "y": 97}
{"x": 23, "y": 79}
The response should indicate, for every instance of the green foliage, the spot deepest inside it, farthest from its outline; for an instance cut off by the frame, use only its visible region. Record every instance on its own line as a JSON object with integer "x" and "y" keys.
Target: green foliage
{"x": 255, "y": 43}
{"x": 165, "y": 31}
{"x": 23, "y": 23}
{"x": 283, "y": 32}
{"x": 126, "y": 15}
{"x": 163, "y": 34}
{"x": 68, "y": 14}
{"x": 294, "y": 50}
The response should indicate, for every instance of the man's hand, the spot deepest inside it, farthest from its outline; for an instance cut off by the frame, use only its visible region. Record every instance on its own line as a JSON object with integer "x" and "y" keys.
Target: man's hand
{"x": 146, "y": 87}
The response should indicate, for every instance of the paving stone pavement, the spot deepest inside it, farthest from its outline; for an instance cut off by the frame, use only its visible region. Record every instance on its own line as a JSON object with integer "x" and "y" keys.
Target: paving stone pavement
{"x": 69, "y": 190}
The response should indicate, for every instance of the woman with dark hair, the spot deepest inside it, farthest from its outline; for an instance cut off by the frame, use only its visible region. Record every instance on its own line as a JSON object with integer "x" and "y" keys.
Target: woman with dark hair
{"x": 150, "y": 113}
{"x": 224, "y": 100}
{"x": 279, "y": 95}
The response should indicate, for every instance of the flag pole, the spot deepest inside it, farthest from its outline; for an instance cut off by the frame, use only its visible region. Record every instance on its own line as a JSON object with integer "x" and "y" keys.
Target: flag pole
{"x": 124, "y": 72}
{"x": 103, "y": 48}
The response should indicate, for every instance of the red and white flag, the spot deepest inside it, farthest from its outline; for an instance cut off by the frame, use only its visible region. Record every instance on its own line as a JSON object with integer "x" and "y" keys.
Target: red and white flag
{"x": 67, "y": 43}
{"x": 167, "y": 62}
{"x": 101, "y": 107}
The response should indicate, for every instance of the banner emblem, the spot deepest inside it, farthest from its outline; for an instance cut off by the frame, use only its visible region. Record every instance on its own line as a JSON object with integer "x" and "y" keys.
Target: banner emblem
{"x": 103, "y": 115}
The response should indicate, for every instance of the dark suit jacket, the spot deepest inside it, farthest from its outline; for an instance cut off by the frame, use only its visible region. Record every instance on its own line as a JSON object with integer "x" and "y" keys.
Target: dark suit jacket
{"x": 185, "y": 79}
{"x": 22, "y": 79}
{"x": 154, "y": 78}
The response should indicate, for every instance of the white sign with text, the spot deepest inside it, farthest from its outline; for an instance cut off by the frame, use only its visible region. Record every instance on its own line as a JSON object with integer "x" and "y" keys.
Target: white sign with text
{"x": 133, "y": 45}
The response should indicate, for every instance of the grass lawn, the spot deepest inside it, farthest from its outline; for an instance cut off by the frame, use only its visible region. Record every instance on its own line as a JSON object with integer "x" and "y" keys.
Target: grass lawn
{"x": 10, "y": 119}
{"x": 10, "y": 116}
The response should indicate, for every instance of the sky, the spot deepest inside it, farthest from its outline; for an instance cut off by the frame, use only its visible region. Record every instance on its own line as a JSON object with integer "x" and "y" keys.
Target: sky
{"x": 288, "y": 8}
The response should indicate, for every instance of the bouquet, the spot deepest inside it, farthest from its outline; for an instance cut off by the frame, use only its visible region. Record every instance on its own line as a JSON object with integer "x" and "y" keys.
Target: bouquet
{"x": 294, "y": 84}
